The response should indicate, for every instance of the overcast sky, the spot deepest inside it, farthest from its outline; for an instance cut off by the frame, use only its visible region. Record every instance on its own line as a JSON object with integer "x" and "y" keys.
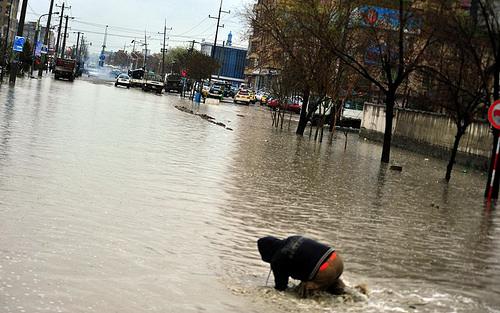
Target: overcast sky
{"x": 129, "y": 18}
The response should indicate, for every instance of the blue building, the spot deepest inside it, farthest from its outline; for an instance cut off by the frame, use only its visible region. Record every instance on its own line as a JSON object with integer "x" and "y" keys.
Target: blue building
{"x": 232, "y": 60}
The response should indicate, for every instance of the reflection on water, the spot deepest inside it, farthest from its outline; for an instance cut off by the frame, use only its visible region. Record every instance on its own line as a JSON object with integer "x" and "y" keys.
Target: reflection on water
{"x": 113, "y": 200}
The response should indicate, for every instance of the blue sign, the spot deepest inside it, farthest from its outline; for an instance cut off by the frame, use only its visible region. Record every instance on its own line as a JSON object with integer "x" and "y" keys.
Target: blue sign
{"x": 44, "y": 50}
{"x": 19, "y": 44}
{"x": 38, "y": 48}
{"x": 102, "y": 57}
{"x": 385, "y": 18}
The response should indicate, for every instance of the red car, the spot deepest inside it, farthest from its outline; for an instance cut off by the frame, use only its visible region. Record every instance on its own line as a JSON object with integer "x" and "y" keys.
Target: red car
{"x": 293, "y": 105}
{"x": 273, "y": 103}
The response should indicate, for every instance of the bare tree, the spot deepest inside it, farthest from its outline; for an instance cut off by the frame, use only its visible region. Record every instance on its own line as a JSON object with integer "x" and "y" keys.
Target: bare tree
{"x": 459, "y": 65}
{"x": 383, "y": 46}
{"x": 289, "y": 45}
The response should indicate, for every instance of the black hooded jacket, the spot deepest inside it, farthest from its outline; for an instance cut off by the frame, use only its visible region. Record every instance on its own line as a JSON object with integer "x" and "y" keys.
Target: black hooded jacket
{"x": 297, "y": 257}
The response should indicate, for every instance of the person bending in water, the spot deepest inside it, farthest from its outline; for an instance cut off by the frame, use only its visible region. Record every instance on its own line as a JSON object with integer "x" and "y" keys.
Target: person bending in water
{"x": 316, "y": 265}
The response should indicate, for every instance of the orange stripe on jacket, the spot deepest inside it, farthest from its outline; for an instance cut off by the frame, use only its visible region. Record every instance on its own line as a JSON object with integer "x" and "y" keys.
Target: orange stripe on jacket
{"x": 332, "y": 257}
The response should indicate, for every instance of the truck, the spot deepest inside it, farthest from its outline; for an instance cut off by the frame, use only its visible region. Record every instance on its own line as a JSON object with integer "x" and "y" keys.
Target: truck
{"x": 65, "y": 68}
{"x": 153, "y": 82}
{"x": 173, "y": 82}
{"x": 136, "y": 77}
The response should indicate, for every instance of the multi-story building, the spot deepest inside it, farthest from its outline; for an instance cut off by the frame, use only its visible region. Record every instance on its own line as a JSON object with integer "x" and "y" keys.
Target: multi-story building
{"x": 232, "y": 60}
{"x": 30, "y": 30}
{"x": 260, "y": 68}
{"x": 6, "y": 7}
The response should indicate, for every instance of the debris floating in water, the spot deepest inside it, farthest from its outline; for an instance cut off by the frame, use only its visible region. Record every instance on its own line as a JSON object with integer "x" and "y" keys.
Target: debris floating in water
{"x": 397, "y": 168}
{"x": 203, "y": 116}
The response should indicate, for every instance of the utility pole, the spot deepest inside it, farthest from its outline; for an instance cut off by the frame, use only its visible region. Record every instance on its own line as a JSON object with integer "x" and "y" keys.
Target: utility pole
{"x": 59, "y": 30}
{"x": 164, "y": 47}
{"x": 77, "y": 46}
{"x": 5, "y": 54}
{"x": 102, "y": 57}
{"x": 134, "y": 59}
{"x": 35, "y": 41}
{"x": 63, "y": 52}
{"x": 20, "y": 29}
{"x": 79, "y": 52}
{"x": 218, "y": 26}
{"x": 145, "y": 51}
{"x": 45, "y": 57}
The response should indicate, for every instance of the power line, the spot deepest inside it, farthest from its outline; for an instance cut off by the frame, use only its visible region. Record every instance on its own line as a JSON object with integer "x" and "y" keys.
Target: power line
{"x": 32, "y": 11}
{"x": 134, "y": 31}
{"x": 124, "y": 36}
{"x": 194, "y": 27}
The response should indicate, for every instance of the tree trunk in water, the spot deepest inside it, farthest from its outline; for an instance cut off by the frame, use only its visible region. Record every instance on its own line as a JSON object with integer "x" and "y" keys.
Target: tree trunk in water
{"x": 389, "y": 116}
{"x": 303, "y": 114}
{"x": 449, "y": 168}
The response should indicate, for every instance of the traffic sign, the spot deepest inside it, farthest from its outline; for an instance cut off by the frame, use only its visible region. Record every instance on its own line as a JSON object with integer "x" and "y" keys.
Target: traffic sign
{"x": 38, "y": 48}
{"x": 494, "y": 114}
{"x": 372, "y": 16}
{"x": 19, "y": 44}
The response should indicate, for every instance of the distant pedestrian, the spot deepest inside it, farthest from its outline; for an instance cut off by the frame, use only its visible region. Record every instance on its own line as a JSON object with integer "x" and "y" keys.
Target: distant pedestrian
{"x": 316, "y": 265}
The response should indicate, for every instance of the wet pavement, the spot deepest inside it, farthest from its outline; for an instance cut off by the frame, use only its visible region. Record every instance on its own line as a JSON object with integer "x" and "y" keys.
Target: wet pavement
{"x": 113, "y": 200}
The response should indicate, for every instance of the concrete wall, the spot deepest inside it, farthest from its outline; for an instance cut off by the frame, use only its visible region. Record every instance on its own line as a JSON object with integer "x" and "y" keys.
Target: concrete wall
{"x": 429, "y": 133}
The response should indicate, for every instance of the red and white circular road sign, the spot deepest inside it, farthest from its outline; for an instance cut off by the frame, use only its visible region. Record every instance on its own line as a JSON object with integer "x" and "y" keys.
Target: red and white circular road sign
{"x": 494, "y": 114}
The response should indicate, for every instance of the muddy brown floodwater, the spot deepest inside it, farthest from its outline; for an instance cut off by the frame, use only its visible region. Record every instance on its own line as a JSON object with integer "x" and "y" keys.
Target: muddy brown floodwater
{"x": 113, "y": 200}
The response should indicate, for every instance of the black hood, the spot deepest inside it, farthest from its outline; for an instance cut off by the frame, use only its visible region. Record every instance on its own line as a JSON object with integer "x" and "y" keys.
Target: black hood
{"x": 268, "y": 246}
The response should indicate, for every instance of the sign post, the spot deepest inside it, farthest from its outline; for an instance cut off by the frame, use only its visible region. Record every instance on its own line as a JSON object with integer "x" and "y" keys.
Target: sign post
{"x": 494, "y": 118}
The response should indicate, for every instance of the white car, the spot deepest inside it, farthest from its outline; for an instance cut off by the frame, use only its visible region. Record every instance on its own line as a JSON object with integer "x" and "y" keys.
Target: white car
{"x": 243, "y": 96}
{"x": 122, "y": 80}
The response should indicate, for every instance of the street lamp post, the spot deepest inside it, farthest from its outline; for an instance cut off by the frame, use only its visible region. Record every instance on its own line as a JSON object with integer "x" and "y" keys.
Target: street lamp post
{"x": 35, "y": 40}
{"x": 46, "y": 40}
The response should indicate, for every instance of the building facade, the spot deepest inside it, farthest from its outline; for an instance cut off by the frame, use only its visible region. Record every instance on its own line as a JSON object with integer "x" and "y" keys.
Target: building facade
{"x": 6, "y": 7}
{"x": 30, "y": 31}
{"x": 232, "y": 61}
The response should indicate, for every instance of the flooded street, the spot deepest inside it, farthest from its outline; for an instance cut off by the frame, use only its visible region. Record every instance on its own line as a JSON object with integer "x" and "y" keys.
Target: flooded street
{"x": 112, "y": 200}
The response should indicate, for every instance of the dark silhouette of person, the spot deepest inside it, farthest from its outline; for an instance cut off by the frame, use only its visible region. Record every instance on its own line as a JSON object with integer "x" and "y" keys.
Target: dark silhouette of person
{"x": 316, "y": 265}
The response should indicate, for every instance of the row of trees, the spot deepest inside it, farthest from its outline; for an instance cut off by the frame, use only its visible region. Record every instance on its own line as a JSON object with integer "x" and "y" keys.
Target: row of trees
{"x": 197, "y": 65}
{"x": 432, "y": 55}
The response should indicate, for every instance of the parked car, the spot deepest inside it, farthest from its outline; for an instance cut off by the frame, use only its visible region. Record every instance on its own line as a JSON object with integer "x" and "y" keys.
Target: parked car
{"x": 261, "y": 96}
{"x": 273, "y": 103}
{"x": 294, "y": 105}
{"x": 243, "y": 96}
{"x": 152, "y": 82}
{"x": 205, "y": 89}
{"x": 233, "y": 91}
{"x": 252, "y": 96}
{"x": 123, "y": 80}
{"x": 216, "y": 91}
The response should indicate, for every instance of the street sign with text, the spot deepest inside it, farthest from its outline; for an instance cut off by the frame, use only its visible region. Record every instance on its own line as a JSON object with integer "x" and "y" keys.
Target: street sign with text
{"x": 19, "y": 44}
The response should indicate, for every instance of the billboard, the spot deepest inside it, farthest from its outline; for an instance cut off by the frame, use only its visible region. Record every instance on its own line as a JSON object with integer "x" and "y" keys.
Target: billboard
{"x": 384, "y": 18}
